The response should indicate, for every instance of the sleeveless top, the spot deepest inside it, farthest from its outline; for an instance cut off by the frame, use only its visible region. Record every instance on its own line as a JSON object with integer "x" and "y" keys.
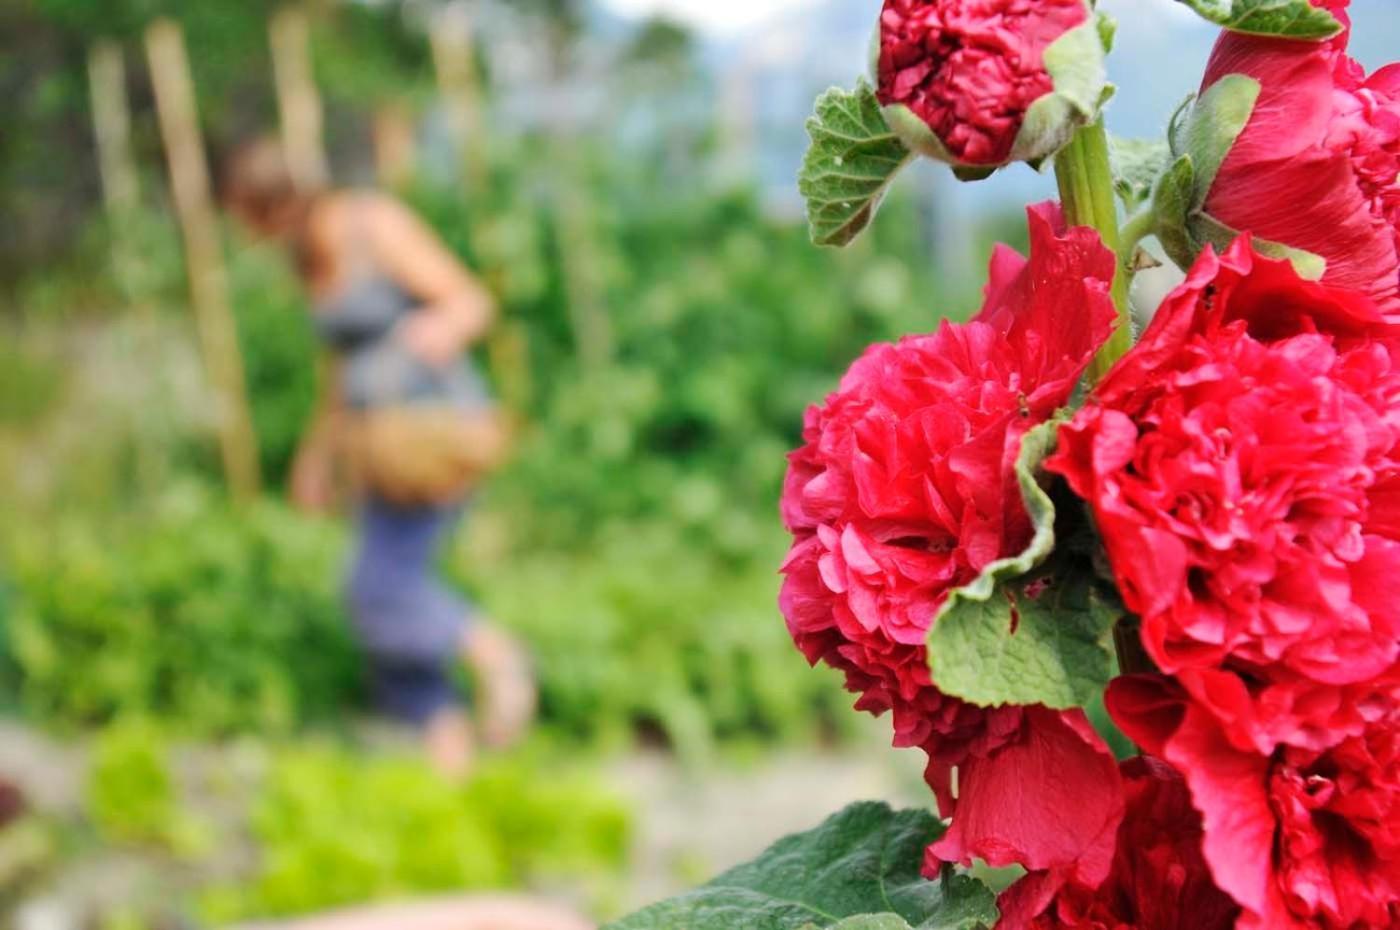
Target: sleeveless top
{"x": 359, "y": 323}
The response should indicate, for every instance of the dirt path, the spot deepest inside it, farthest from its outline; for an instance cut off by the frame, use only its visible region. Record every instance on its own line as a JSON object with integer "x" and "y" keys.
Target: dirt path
{"x": 692, "y": 825}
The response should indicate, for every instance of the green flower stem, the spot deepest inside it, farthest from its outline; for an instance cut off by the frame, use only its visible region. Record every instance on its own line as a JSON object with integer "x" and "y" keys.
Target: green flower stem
{"x": 1127, "y": 642}
{"x": 1087, "y": 196}
{"x": 1135, "y": 229}
{"x": 1086, "y": 193}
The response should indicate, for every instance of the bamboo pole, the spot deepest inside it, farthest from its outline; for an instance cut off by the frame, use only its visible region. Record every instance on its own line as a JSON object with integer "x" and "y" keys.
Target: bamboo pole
{"x": 583, "y": 284}
{"x": 454, "y": 63}
{"x": 189, "y": 183}
{"x": 298, "y": 100}
{"x": 395, "y": 148}
{"x": 121, "y": 192}
{"x": 111, "y": 119}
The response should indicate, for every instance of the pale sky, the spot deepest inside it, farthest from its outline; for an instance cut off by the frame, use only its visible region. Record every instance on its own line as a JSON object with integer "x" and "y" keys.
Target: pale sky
{"x": 715, "y": 15}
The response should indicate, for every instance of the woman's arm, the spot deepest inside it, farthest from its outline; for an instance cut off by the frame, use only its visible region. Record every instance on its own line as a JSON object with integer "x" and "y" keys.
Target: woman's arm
{"x": 459, "y": 309}
{"x": 312, "y": 480}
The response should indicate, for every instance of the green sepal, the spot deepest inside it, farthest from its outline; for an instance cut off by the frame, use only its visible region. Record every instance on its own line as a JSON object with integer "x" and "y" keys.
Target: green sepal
{"x": 1029, "y": 629}
{"x": 1287, "y": 19}
{"x": 1173, "y": 203}
{"x": 970, "y": 173}
{"x": 849, "y": 165}
{"x": 1075, "y": 63}
{"x": 1309, "y": 265}
{"x": 859, "y": 870}
{"x": 1209, "y": 130}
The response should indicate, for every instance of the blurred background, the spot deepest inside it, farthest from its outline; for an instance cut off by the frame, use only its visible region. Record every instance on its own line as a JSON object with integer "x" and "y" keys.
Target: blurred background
{"x": 184, "y": 734}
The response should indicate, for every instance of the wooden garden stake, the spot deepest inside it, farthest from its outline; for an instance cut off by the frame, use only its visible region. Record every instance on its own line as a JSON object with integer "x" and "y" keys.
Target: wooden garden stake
{"x": 189, "y": 184}
{"x": 111, "y": 122}
{"x": 454, "y": 63}
{"x": 298, "y": 100}
{"x": 121, "y": 192}
{"x": 395, "y": 149}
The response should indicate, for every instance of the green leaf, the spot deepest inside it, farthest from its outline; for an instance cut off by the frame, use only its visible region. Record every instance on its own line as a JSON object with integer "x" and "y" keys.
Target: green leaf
{"x": 862, "y": 862}
{"x": 1020, "y": 636}
{"x": 1291, "y": 19}
{"x": 868, "y": 922}
{"x": 849, "y": 165}
{"x": 1137, "y": 163}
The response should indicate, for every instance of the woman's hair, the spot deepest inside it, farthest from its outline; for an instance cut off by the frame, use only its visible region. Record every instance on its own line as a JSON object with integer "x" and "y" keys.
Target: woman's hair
{"x": 257, "y": 185}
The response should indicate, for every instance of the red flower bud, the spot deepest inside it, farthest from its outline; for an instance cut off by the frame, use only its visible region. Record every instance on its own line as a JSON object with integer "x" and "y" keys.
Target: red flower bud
{"x": 975, "y": 83}
{"x": 1317, "y": 167}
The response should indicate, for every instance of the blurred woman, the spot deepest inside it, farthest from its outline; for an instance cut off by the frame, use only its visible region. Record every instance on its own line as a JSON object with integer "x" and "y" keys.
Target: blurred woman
{"x": 398, "y": 313}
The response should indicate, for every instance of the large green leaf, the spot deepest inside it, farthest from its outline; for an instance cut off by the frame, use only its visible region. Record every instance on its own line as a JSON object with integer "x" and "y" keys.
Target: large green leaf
{"x": 1292, "y": 19}
{"x": 861, "y": 863}
{"x": 1026, "y": 632}
{"x": 848, "y": 167}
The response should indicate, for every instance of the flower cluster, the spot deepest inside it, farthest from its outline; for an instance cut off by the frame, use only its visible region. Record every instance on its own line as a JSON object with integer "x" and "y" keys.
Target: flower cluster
{"x": 904, "y": 491}
{"x": 1233, "y": 482}
{"x": 1242, "y": 464}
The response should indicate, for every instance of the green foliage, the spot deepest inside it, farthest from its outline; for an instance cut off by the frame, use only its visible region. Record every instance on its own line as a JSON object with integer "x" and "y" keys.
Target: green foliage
{"x": 852, "y": 160}
{"x": 647, "y": 629}
{"x": 335, "y": 830}
{"x": 1015, "y": 635}
{"x": 280, "y": 352}
{"x": 208, "y": 618}
{"x": 859, "y": 870}
{"x": 1293, "y": 19}
{"x": 131, "y": 794}
{"x": 30, "y": 386}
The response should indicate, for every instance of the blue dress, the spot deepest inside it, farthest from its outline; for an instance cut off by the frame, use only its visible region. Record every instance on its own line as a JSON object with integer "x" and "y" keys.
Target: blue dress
{"x": 410, "y": 624}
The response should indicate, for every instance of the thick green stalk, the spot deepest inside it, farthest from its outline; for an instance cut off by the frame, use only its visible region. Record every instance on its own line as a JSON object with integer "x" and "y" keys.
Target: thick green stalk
{"x": 1086, "y": 193}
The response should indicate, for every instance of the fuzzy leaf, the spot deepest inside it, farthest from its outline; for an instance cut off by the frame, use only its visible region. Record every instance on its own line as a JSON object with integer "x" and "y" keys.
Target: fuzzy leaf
{"x": 1046, "y": 639}
{"x": 1016, "y": 635}
{"x": 1290, "y": 19}
{"x": 853, "y": 157}
{"x": 1137, "y": 163}
{"x": 862, "y": 862}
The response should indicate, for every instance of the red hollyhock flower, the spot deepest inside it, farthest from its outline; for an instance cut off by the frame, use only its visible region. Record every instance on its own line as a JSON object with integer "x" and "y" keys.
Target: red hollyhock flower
{"x": 971, "y": 69}
{"x": 1318, "y": 165}
{"x": 1301, "y": 838}
{"x": 1159, "y": 879}
{"x": 905, "y": 490}
{"x": 1243, "y": 465}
